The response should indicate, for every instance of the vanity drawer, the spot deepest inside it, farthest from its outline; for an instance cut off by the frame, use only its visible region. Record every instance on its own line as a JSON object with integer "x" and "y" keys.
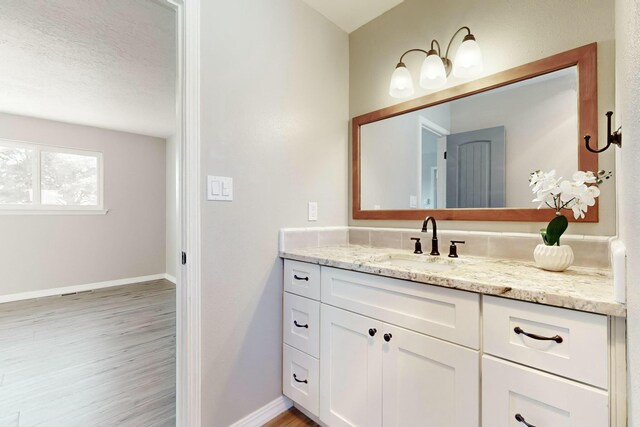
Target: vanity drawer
{"x": 581, "y": 355}
{"x": 448, "y": 314}
{"x": 538, "y": 398}
{"x": 302, "y": 278}
{"x": 300, "y": 379}
{"x": 301, "y": 325}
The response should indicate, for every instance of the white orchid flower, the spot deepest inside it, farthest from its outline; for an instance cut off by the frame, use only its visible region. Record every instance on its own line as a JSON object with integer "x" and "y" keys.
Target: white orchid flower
{"x": 543, "y": 181}
{"x": 589, "y": 195}
{"x": 587, "y": 177}
{"x": 545, "y": 198}
{"x": 579, "y": 208}
{"x": 568, "y": 191}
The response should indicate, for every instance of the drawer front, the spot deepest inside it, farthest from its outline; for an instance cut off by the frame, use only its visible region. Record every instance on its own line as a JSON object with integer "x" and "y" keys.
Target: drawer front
{"x": 302, "y": 278}
{"x": 443, "y": 313}
{"x": 582, "y": 354}
{"x": 301, "y": 379}
{"x": 513, "y": 395}
{"x": 301, "y": 325}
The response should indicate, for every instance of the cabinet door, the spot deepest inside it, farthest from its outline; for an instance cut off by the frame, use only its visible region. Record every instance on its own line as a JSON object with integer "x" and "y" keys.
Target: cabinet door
{"x": 350, "y": 369}
{"x": 428, "y": 382}
{"x": 517, "y": 396}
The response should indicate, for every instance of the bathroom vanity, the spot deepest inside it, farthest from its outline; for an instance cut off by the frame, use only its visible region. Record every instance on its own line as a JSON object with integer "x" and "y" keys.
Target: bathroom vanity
{"x": 381, "y": 337}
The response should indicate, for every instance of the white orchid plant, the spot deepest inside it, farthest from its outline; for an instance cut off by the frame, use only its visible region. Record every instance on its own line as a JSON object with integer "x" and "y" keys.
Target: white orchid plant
{"x": 575, "y": 195}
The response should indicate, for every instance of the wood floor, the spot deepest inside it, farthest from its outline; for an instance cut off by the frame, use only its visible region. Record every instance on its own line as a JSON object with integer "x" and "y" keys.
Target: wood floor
{"x": 291, "y": 418}
{"x": 102, "y": 358}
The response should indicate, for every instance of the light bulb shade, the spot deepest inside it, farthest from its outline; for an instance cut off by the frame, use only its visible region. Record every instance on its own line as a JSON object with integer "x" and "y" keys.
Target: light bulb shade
{"x": 468, "y": 61}
{"x": 432, "y": 73}
{"x": 401, "y": 85}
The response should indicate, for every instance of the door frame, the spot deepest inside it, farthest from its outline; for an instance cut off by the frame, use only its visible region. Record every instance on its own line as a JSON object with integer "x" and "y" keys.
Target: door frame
{"x": 188, "y": 185}
{"x": 440, "y": 132}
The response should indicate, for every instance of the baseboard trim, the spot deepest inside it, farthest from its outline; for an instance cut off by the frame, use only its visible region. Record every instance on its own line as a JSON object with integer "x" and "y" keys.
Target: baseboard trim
{"x": 266, "y": 413}
{"x": 79, "y": 288}
{"x": 170, "y": 278}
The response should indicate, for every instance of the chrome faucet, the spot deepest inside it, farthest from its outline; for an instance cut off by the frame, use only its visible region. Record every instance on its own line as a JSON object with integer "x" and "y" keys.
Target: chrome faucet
{"x": 434, "y": 238}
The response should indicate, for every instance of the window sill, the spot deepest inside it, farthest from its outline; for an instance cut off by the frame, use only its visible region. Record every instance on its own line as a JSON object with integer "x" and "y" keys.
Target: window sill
{"x": 54, "y": 211}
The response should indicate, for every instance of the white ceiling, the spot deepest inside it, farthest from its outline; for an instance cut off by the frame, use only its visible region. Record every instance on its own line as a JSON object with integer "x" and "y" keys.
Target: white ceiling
{"x": 104, "y": 63}
{"x": 352, "y": 14}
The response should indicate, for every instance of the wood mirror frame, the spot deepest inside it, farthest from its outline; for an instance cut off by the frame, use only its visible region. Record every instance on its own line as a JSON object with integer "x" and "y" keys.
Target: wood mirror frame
{"x": 585, "y": 58}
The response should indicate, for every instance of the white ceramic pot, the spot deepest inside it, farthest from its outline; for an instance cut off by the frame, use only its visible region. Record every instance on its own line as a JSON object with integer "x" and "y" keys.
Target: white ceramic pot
{"x": 553, "y": 258}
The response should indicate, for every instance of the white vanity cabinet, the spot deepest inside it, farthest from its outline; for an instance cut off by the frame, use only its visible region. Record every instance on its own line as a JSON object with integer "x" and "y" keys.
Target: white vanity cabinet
{"x": 569, "y": 351}
{"x": 301, "y": 334}
{"x": 392, "y": 353}
{"x": 515, "y": 395}
{"x": 428, "y": 382}
{"x": 373, "y": 351}
{"x": 351, "y": 369}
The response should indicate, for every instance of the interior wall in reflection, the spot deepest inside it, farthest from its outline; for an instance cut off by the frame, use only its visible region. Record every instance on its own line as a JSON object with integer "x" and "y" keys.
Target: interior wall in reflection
{"x": 541, "y": 127}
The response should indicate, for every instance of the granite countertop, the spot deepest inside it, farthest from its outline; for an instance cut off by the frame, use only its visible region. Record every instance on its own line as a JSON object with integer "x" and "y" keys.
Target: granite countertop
{"x": 579, "y": 288}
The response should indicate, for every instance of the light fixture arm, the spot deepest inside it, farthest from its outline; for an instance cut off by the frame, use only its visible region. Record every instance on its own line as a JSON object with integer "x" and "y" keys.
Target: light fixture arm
{"x": 439, "y": 52}
{"x": 409, "y": 51}
{"x": 446, "y": 54}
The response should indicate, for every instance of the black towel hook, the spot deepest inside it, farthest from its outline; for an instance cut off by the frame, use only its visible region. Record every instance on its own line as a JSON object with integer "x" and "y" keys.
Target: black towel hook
{"x": 612, "y": 138}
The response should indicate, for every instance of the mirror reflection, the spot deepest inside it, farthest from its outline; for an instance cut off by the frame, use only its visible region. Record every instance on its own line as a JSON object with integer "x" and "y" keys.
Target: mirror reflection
{"x": 473, "y": 152}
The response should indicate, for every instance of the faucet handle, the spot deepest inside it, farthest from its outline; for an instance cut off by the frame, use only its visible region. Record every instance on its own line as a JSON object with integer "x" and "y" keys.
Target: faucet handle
{"x": 453, "y": 249}
{"x": 418, "y": 247}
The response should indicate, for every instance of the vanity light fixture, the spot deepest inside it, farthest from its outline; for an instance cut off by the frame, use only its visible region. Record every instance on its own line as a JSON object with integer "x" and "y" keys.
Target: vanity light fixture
{"x": 436, "y": 68}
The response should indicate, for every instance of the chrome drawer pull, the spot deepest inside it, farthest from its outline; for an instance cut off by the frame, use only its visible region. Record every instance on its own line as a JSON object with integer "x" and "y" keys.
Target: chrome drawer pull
{"x": 295, "y": 322}
{"x": 521, "y": 419}
{"x": 300, "y": 381}
{"x": 556, "y": 338}
{"x": 295, "y": 276}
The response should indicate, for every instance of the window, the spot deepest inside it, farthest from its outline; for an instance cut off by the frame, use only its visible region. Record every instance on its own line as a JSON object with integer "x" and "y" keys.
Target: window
{"x": 43, "y": 178}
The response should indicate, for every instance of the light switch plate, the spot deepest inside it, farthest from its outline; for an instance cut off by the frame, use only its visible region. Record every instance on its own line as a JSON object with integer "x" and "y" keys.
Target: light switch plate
{"x": 313, "y": 211}
{"x": 219, "y": 188}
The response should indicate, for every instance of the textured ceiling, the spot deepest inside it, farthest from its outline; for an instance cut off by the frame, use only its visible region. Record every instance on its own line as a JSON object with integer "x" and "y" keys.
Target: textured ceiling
{"x": 352, "y": 14}
{"x": 104, "y": 63}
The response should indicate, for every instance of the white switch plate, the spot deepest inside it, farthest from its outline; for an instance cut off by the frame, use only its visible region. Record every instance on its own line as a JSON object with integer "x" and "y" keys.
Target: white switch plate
{"x": 313, "y": 211}
{"x": 219, "y": 188}
{"x": 413, "y": 202}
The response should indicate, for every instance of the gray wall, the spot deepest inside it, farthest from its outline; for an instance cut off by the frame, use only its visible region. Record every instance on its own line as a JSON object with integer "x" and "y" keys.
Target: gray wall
{"x": 510, "y": 33}
{"x": 49, "y": 251}
{"x": 275, "y": 118}
{"x": 628, "y": 158}
{"x": 390, "y": 168}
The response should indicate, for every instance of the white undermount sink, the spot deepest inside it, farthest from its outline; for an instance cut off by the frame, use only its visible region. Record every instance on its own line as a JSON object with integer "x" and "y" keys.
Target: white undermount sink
{"x": 420, "y": 262}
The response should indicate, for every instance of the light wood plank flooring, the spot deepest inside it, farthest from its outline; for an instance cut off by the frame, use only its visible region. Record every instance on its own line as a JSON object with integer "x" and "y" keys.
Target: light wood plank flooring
{"x": 101, "y": 358}
{"x": 291, "y": 418}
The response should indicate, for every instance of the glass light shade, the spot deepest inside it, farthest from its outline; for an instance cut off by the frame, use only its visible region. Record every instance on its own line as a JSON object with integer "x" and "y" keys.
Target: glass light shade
{"x": 468, "y": 62}
{"x": 401, "y": 85}
{"x": 432, "y": 73}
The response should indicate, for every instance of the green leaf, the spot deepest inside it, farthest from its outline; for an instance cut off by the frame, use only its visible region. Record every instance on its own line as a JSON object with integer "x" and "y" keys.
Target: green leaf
{"x": 543, "y": 233}
{"x": 557, "y": 226}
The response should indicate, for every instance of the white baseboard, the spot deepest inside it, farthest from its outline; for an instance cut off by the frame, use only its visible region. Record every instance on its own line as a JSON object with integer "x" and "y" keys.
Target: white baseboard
{"x": 80, "y": 288}
{"x": 265, "y": 414}
{"x": 170, "y": 278}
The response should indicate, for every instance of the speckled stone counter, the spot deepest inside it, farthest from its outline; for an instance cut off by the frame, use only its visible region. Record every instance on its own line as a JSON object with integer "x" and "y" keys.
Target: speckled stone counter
{"x": 579, "y": 288}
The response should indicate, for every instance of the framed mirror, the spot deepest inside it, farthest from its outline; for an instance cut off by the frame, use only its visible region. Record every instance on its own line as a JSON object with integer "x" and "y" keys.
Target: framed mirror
{"x": 466, "y": 152}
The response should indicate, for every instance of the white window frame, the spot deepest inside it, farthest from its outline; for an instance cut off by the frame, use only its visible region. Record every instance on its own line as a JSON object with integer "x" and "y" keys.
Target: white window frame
{"x": 37, "y": 208}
